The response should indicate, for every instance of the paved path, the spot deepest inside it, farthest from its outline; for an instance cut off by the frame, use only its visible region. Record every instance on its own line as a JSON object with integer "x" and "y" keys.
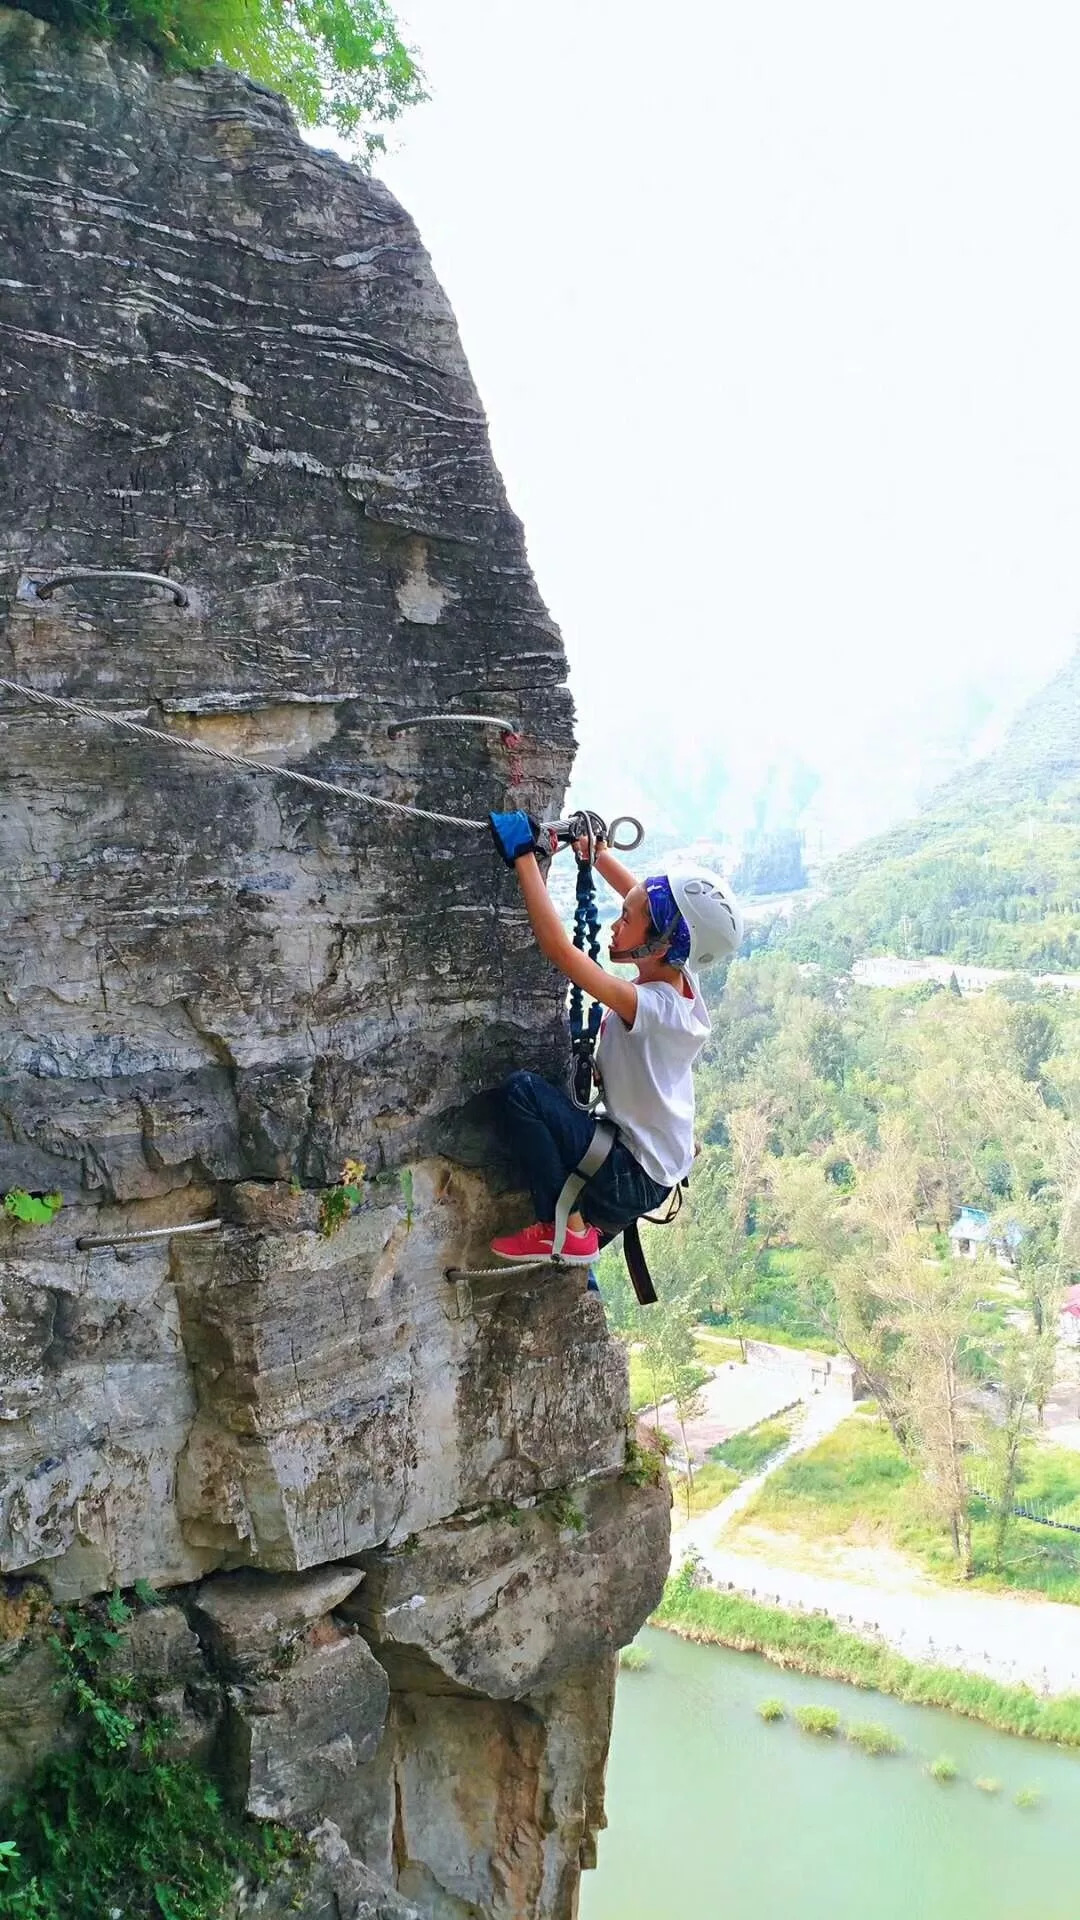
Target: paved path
{"x": 820, "y": 1415}
{"x": 999, "y": 1636}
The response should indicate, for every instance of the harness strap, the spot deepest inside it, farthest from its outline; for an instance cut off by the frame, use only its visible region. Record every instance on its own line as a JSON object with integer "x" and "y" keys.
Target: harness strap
{"x": 637, "y": 1266}
{"x": 591, "y": 1162}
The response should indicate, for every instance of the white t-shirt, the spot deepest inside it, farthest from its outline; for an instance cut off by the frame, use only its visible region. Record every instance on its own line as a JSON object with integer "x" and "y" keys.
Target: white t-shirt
{"x": 646, "y": 1074}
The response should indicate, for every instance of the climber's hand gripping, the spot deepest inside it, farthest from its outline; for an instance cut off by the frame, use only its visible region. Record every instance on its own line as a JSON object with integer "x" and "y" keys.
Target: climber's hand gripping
{"x": 516, "y": 834}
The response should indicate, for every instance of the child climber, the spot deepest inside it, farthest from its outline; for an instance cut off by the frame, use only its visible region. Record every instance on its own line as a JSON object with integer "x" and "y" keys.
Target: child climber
{"x": 652, "y": 1032}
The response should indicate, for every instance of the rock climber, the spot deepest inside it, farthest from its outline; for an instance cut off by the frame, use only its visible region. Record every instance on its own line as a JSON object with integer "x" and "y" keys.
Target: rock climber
{"x": 652, "y": 1032}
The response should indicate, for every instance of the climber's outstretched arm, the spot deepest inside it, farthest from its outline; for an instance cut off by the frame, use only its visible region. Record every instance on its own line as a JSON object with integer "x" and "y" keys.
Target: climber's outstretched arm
{"x": 556, "y": 945}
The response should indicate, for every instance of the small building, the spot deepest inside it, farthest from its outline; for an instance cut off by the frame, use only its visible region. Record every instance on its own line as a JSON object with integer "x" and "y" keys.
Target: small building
{"x": 1069, "y": 1318}
{"x": 970, "y": 1235}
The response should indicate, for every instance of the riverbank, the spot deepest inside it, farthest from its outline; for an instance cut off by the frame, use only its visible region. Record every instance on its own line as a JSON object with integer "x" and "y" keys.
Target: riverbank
{"x": 814, "y": 1645}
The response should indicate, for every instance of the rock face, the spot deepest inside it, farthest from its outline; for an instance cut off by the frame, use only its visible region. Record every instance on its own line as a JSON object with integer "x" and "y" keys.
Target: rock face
{"x": 224, "y": 357}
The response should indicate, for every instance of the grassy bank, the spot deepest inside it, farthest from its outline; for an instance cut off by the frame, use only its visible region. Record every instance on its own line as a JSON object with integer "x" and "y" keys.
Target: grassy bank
{"x": 728, "y": 1465}
{"x": 809, "y": 1644}
{"x": 856, "y": 1485}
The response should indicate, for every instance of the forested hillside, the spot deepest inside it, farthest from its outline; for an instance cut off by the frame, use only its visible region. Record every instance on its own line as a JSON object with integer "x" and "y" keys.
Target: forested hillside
{"x": 842, "y": 1129}
{"x": 988, "y": 873}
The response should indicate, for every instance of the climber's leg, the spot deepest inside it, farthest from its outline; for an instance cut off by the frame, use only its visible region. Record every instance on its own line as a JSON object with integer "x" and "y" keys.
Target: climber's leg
{"x": 621, "y": 1191}
{"x": 547, "y": 1135}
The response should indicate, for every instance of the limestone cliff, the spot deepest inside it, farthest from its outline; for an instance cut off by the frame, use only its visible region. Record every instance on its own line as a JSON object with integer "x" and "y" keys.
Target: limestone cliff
{"x": 224, "y": 357}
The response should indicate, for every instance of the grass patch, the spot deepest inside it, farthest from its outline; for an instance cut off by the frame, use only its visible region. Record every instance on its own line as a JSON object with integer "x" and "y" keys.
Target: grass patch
{"x": 1027, "y": 1798}
{"x": 772, "y": 1709}
{"x": 748, "y": 1452}
{"x": 809, "y": 1644}
{"x": 715, "y": 1349}
{"x": 872, "y": 1737}
{"x": 943, "y": 1769}
{"x": 634, "y": 1660}
{"x": 857, "y": 1479}
{"x": 822, "y": 1721}
{"x": 712, "y": 1483}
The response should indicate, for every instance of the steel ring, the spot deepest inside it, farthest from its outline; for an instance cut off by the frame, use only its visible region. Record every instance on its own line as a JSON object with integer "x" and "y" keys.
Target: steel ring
{"x": 625, "y": 846}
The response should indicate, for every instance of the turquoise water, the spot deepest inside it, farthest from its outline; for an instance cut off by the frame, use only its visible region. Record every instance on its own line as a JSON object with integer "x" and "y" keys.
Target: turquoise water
{"x": 714, "y": 1813}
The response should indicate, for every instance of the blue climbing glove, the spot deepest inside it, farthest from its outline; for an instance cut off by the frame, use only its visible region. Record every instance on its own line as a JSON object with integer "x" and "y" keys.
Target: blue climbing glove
{"x": 518, "y": 833}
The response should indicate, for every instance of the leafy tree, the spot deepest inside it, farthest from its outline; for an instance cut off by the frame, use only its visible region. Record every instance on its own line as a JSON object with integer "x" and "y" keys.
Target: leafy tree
{"x": 339, "y": 63}
{"x": 1024, "y": 1376}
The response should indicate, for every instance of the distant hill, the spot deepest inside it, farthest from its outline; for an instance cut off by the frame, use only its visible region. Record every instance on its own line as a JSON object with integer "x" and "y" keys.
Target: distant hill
{"x": 989, "y": 871}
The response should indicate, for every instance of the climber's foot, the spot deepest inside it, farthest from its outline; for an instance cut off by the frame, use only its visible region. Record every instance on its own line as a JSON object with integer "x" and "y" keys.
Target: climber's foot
{"x": 536, "y": 1242}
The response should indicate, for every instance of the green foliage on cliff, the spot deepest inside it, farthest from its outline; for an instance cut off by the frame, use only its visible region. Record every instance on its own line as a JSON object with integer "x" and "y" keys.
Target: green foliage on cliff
{"x": 339, "y": 63}
{"x": 119, "y": 1823}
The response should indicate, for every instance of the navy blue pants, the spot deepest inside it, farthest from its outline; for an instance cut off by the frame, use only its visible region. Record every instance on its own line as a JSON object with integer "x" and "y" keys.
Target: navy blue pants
{"x": 547, "y": 1134}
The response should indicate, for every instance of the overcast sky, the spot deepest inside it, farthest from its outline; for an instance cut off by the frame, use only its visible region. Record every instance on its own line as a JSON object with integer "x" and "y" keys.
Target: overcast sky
{"x": 775, "y": 311}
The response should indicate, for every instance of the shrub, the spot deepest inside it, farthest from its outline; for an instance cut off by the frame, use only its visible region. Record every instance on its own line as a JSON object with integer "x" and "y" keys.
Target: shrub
{"x": 634, "y": 1660}
{"x": 114, "y": 1825}
{"x": 987, "y": 1784}
{"x": 338, "y": 62}
{"x": 337, "y": 1204}
{"x": 772, "y": 1709}
{"x": 1028, "y": 1797}
{"x": 943, "y": 1769}
{"x": 872, "y": 1737}
{"x": 820, "y": 1720}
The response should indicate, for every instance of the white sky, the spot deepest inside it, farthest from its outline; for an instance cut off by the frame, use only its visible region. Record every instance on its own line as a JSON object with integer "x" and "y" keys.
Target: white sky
{"x": 774, "y": 310}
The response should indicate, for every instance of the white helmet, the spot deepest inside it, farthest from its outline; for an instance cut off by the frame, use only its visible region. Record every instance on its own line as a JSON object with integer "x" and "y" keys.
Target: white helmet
{"x": 711, "y": 912}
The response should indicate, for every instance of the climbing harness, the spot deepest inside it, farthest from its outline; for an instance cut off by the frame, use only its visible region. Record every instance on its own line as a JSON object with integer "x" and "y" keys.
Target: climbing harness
{"x": 590, "y": 1163}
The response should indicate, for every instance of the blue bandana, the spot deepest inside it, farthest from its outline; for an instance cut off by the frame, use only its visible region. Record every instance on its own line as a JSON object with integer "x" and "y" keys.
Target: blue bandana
{"x": 663, "y": 909}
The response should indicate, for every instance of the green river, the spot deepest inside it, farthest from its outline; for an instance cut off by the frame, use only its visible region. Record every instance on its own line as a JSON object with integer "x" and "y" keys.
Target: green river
{"x": 714, "y": 1813}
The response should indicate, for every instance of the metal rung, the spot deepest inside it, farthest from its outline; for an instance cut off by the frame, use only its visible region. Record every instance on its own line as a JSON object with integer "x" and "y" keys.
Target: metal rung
{"x": 41, "y": 589}
{"x": 511, "y": 1267}
{"x": 90, "y": 1241}
{"x": 454, "y": 719}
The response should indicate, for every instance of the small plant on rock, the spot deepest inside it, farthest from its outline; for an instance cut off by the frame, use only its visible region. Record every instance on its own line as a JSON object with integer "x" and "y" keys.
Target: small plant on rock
{"x": 943, "y": 1769}
{"x": 1027, "y": 1798}
{"x": 562, "y": 1510}
{"x": 642, "y": 1466}
{"x": 32, "y": 1209}
{"x": 634, "y": 1660}
{"x": 338, "y": 1204}
{"x": 987, "y": 1784}
{"x": 772, "y": 1709}
{"x": 823, "y": 1721}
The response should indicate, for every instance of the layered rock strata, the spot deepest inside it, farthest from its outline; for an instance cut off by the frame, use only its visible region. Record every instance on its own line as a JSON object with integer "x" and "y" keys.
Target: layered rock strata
{"x": 391, "y": 1515}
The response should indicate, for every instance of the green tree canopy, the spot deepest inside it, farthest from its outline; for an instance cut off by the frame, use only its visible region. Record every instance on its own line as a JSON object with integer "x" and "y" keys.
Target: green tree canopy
{"x": 339, "y": 63}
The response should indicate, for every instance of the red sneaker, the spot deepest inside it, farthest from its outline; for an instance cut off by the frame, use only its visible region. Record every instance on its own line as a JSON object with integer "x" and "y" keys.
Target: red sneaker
{"x": 536, "y": 1242}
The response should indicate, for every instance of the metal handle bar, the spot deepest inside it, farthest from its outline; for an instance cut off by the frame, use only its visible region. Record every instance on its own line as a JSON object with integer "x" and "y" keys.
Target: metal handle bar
{"x": 89, "y": 1240}
{"x": 41, "y": 589}
{"x": 506, "y": 727}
